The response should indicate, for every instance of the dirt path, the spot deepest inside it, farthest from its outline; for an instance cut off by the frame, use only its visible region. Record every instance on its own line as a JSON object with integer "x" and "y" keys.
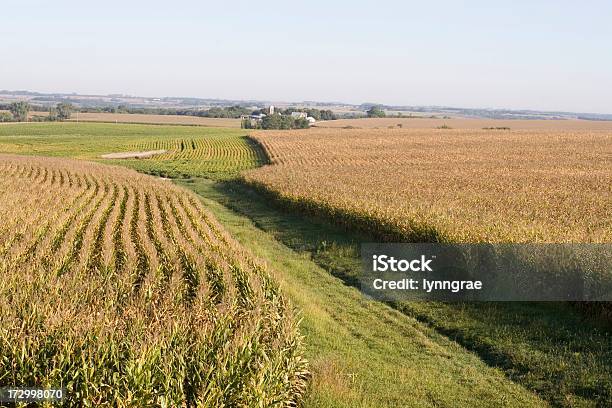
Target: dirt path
{"x": 133, "y": 155}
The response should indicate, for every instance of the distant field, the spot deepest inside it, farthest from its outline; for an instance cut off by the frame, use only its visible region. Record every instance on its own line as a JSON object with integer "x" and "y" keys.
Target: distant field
{"x": 156, "y": 119}
{"x": 448, "y": 185}
{"x": 148, "y": 119}
{"x": 191, "y": 150}
{"x": 416, "y": 123}
{"x": 117, "y": 284}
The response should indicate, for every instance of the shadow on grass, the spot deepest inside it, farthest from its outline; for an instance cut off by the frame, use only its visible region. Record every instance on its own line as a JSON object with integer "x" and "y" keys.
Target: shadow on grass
{"x": 550, "y": 348}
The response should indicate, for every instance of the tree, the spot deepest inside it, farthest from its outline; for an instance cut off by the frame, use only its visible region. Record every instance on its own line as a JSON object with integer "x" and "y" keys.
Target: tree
{"x": 314, "y": 113}
{"x": 278, "y": 121}
{"x": 301, "y": 123}
{"x": 20, "y": 111}
{"x": 250, "y": 124}
{"x": 327, "y": 115}
{"x": 6, "y": 117}
{"x": 286, "y": 122}
{"x": 273, "y": 121}
{"x": 64, "y": 110}
{"x": 53, "y": 115}
{"x": 376, "y": 112}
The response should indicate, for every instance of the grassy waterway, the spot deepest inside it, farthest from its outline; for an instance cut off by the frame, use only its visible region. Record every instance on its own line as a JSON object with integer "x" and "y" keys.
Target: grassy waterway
{"x": 362, "y": 353}
{"x": 548, "y": 348}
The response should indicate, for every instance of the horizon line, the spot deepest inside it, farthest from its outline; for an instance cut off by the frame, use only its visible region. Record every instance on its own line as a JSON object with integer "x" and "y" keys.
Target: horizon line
{"x": 271, "y": 101}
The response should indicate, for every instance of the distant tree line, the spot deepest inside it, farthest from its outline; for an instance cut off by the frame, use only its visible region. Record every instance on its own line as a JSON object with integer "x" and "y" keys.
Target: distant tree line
{"x": 62, "y": 111}
{"x": 230, "y": 112}
{"x": 276, "y": 121}
{"x": 317, "y": 114}
{"x": 18, "y": 112}
{"x": 33, "y": 108}
{"x": 6, "y": 117}
{"x": 376, "y": 112}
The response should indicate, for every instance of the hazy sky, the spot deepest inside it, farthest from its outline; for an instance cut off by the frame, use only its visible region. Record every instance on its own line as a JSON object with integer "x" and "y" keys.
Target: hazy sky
{"x": 554, "y": 55}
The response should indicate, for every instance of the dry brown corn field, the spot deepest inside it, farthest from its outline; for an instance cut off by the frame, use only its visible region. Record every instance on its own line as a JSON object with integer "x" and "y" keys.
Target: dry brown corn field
{"x": 468, "y": 123}
{"x": 447, "y": 184}
{"x": 123, "y": 289}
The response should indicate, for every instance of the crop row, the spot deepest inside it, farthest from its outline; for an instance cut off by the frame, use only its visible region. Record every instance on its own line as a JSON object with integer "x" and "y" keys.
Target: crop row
{"x": 200, "y": 156}
{"x": 125, "y": 291}
{"x": 447, "y": 185}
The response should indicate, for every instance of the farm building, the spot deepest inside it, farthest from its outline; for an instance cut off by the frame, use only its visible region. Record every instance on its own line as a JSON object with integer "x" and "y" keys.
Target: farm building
{"x": 303, "y": 115}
